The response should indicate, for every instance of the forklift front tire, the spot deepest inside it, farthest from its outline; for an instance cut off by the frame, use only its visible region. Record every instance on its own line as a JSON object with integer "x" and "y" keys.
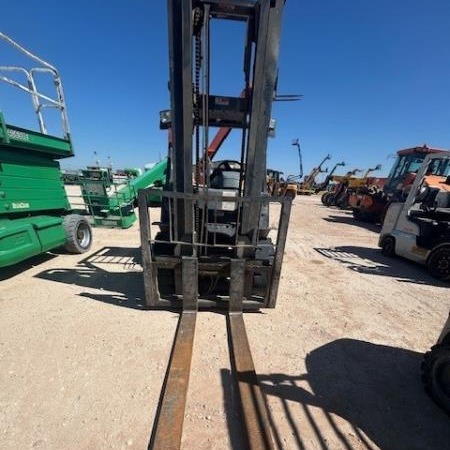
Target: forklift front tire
{"x": 388, "y": 246}
{"x": 79, "y": 233}
{"x": 330, "y": 200}
{"x": 439, "y": 263}
{"x": 436, "y": 375}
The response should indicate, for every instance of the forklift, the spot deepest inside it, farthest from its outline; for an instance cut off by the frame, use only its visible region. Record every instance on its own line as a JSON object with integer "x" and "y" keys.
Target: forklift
{"x": 419, "y": 228}
{"x": 214, "y": 246}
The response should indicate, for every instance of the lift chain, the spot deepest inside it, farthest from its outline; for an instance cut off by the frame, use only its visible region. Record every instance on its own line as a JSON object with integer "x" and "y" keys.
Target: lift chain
{"x": 197, "y": 25}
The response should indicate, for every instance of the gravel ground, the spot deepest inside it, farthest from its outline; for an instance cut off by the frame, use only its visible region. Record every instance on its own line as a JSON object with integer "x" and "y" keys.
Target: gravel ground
{"x": 82, "y": 363}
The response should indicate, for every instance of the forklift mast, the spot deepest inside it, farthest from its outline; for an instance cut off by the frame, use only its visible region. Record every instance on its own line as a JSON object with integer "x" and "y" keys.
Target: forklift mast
{"x": 220, "y": 214}
{"x": 189, "y": 26}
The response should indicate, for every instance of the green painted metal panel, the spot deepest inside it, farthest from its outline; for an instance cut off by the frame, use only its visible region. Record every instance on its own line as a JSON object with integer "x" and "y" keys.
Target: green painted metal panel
{"x": 32, "y": 195}
{"x": 23, "y": 139}
{"x": 23, "y": 238}
{"x": 157, "y": 173}
{"x": 51, "y": 236}
{"x": 111, "y": 221}
{"x": 30, "y": 183}
{"x": 17, "y": 244}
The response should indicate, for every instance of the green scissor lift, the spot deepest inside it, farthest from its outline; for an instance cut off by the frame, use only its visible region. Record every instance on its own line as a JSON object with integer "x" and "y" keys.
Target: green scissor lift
{"x": 35, "y": 214}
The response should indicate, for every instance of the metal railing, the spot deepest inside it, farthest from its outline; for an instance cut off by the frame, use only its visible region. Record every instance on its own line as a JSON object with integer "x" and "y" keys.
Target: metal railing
{"x": 109, "y": 203}
{"x": 40, "y": 100}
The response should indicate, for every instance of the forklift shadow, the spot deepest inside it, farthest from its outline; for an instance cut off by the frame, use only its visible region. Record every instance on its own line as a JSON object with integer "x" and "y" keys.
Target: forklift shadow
{"x": 376, "y": 389}
{"x": 350, "y": 220}
{"x": 371, "y": 261}
{"x": 114, "y": 272}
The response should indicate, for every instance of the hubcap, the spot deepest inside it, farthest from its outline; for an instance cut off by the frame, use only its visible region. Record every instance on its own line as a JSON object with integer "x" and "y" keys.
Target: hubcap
{"x": 83, "y": 235}
{"x": 443, "y": 264}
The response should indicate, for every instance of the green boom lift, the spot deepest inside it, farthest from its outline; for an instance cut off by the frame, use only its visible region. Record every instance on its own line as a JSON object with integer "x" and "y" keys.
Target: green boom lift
{"x": 35, "y": 214}
{"x": 112, "y": 204}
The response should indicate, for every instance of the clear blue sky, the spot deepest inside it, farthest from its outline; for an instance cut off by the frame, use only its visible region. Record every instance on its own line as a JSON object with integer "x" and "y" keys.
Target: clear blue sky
{"x": 375, "y": 76}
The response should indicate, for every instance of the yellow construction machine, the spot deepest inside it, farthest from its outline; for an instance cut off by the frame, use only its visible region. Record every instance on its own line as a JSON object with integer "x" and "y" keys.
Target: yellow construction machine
{"x": 276, "y": 185}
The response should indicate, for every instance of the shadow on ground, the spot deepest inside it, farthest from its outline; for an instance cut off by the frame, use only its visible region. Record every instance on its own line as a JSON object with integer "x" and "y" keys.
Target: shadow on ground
{"x": 112, "y": 269}
{"x": 371, "y": 261}
{"x": 375, "y": 388}
{"x": 11, "y": 271}
{"x": 348, "y": 219}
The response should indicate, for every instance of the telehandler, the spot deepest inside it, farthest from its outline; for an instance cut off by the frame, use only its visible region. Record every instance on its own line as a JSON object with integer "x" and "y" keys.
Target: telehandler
{"x": 308, "y": 185}
{"x": 341, "y": 182}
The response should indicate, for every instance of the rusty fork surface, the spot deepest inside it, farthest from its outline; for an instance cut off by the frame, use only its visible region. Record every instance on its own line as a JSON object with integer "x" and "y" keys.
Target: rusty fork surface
{"x": 168, "y": 425}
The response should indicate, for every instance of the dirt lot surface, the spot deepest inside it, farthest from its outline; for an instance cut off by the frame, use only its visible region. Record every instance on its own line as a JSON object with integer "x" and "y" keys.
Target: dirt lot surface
{"x": 82, "y": 363}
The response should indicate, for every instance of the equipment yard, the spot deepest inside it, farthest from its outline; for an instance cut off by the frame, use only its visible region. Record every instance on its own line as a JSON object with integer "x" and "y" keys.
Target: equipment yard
{"x": 338, "y": 359}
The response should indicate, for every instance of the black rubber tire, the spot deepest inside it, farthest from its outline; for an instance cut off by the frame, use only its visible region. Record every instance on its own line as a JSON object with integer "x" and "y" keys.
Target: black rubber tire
{"x": 358, "y": 215}
{"x": 436, "y": 375}
{"x": 78, "y": 233}
{"x": 324, "y": 196}
{"x": 388, "y": 246}
{"x": 342, "y": 203}
{"x": 438, "y": 263}
{"x": 371, "y": 218}
{"x": 330, "y": 200}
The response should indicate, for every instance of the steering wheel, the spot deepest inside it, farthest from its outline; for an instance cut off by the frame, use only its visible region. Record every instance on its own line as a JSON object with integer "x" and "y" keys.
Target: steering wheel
{"x": 226, "y": 165}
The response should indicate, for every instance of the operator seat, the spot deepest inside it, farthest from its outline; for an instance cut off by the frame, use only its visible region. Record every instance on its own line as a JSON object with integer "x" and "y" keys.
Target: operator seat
{"x": 226, "y": 175}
